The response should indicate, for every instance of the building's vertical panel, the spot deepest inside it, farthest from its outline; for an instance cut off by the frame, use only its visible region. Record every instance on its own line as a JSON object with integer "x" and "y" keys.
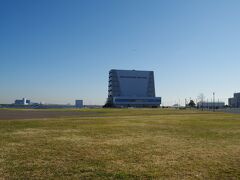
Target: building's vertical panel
{"x": 151, "y": 86}
{"x": 113, "y": 86}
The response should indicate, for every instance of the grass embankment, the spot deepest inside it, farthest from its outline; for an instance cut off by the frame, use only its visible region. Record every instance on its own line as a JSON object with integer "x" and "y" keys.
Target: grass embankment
{"x": 122, "y": 143}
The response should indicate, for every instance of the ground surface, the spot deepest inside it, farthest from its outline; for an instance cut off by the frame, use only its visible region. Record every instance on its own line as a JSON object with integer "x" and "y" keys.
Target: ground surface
{"x": 119, "y": 144}
{"x": 12, "y": 114}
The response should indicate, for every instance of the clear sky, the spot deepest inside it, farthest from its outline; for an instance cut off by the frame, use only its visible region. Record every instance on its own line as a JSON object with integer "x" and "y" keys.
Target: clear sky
{"x": 57, "y": 51}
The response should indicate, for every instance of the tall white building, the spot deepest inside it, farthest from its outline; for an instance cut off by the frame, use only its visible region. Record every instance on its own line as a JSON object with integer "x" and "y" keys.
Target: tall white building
{"x": 131, "y": 88}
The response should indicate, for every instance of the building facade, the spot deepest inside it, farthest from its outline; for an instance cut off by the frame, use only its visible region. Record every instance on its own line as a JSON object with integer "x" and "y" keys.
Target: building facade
{"x": 234, "y": 102}
{"x": 211, "y": 105}
{"x": 79, "y": 103}
{"x": 131, "y": 88}
{"x": 23, "y": 101}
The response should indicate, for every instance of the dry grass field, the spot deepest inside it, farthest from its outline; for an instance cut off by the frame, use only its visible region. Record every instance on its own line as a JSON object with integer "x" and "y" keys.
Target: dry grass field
{"x": 119, "y": 144}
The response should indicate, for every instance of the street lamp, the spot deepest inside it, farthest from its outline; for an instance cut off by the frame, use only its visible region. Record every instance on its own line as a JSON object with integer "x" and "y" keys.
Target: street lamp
{"x": 213, "y": 101}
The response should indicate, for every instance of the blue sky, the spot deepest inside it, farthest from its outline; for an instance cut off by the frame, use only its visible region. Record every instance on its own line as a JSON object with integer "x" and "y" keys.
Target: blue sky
{"x": 57, "y": 51}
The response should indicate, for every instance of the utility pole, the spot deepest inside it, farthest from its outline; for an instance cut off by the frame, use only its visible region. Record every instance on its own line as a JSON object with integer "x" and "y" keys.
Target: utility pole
{"x": 213, "y": 101}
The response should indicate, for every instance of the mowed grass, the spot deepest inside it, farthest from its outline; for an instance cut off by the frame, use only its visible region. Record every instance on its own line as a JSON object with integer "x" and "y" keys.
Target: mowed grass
{"x": 122, "y": 144}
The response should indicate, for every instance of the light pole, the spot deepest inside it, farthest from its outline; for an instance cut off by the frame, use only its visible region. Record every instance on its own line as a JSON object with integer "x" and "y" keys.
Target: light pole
{"x": 213, "y": 101}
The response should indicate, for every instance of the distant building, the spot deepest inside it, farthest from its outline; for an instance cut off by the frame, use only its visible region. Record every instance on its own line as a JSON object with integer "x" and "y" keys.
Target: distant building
{"x": 23, "y": 101}
{"x": 130, "y": 88}
{"x": 79, "y": 103}
{"x": 234, "y": 102}
{"x": 211, "y": 105}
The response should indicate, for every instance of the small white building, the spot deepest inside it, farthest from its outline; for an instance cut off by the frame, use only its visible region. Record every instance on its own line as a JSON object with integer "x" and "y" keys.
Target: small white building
{"x": 79, "y": 103}
{"x": 23, "y": 101}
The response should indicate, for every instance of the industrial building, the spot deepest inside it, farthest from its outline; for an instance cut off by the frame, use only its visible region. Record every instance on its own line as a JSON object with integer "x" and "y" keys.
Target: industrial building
{"x": 234, "y": 102}
{"x": 79, "y": 103}
{"x": 23, "y": 101}
{"x": 131, "y": 88}
{"x": 211, "y": 105}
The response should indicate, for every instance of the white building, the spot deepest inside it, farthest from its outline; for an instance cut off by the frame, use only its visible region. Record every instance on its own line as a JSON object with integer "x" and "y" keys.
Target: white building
{"x": 23, "y": 101}
{"x": 131, "y": 88}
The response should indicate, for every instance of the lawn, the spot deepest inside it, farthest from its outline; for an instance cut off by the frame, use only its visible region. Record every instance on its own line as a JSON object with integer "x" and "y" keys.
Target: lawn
{"x": 119, "y": 144}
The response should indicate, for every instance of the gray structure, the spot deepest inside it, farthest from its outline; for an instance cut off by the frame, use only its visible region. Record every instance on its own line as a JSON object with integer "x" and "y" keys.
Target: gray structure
{"x": 131, "y": 88}
{"x": 211, "y": 105}
{"x": 79, "y": 103}
{"x": 23, "y": 101}
{"x": 235, "y": 101}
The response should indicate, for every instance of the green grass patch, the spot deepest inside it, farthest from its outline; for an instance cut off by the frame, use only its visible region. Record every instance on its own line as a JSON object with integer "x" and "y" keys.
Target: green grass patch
{"x": 122, "y": 144}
